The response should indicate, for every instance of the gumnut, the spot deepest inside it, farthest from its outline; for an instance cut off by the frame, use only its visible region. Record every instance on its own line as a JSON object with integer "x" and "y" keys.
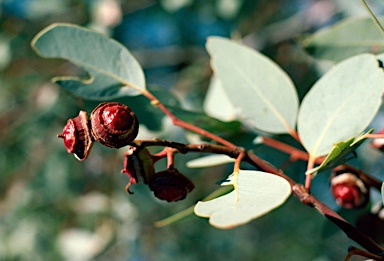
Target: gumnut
{"x": 349, "y": 190}
{"x": 114, "y": 124}
{"x": 171, "y": 185}
{"x": 77, "y": 136}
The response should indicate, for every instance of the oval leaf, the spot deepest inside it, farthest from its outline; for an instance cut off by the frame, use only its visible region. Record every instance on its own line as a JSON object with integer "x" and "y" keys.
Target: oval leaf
{"x": 217, "y": 103}
{"x": 350, "y": 37}
{"x": 263, "y": 93}
{"x": 209, "y": 161}
{"x": 111, "y": 67}
{"x": 258, "y": 193}
{"x": 341, "y": 104}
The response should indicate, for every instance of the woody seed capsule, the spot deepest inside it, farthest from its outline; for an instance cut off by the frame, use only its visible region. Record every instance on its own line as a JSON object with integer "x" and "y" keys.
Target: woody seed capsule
{"x": 114, "y": 124}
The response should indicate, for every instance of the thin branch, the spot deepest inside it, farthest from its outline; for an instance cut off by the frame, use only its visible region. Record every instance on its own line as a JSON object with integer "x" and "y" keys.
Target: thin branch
{"x": 295, "y": 153}
{"x": 308, "y": 178}
{"x": 177, "y": 122}
{"x": 375, "y": 136}
{"x": 354, "y": 251}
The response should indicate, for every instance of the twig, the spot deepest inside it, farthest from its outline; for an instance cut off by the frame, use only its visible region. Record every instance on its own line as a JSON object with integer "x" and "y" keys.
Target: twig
{"x": 177, "y": 122}
{"x": 354, "y": 251}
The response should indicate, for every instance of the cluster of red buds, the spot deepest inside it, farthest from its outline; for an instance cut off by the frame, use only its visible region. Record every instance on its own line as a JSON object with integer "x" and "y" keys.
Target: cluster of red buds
{"x": 115, "y": 125}
{"x": 169, "y": 185}
{"x": 112, "y": 124}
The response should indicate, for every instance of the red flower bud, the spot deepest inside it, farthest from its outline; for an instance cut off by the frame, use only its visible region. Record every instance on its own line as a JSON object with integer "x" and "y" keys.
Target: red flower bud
{"x": 349, "y": 190}
{"x": 77, "y": 136}
{"x": 114, "y": 124}
{"x": 171, "y": 185}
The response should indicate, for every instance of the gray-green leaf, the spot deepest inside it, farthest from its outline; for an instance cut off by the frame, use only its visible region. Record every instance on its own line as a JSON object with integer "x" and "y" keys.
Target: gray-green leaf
{"x": 263, "y": 93}
{"x": 258, "y": 194}
{"x": 111, "y": 67}
{"x": 349, "y": 37}
{"x": 341, "y": 104}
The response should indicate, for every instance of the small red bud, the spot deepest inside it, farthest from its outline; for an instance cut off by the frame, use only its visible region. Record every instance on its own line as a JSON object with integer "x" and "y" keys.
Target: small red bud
{"x": 349, "y": 190}
{"x": 77, "y": 136}
{"x": 114, "y": 124}
{"x": 171, "y": 185}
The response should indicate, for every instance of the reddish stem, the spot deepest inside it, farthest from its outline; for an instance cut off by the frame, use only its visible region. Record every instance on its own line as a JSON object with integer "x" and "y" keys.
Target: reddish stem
{"x": 353, "y": 251}
{"x": 375, "y": 136}
{"x": 238, "y": 160}
{"x": 295, "y": 135}
{"x": 308, "y": 178}
{"x": 177, "y": 122}
{"x": 170, "y": 158}
{"x": 296, "y": 154}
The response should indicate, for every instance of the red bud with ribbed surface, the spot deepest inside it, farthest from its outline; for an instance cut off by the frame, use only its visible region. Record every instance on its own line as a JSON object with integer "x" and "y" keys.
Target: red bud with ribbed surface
{"x": 114, "y": 124}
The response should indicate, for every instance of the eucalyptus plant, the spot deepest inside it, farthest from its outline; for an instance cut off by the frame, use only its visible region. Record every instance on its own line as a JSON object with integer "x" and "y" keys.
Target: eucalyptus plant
{"x": 326, "y": 126}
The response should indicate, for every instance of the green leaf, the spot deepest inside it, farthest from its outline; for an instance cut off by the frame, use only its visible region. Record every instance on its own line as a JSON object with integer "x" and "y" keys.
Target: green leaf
{"x": 338, "y": 148}
{"x": 258, "y": 193}
{"x": 111, "y": 67}
{"x": 347, "y": 38}
{"x": 210, "y": 161}
{"x": 341, "y": 104}
{"x": 339, "y": 153}
{"x": 217, "y": 103}
{"x": 262, "y": 92}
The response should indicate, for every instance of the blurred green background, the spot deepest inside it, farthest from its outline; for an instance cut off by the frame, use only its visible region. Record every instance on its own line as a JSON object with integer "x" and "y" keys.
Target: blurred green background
{"x": 53, "y": 207}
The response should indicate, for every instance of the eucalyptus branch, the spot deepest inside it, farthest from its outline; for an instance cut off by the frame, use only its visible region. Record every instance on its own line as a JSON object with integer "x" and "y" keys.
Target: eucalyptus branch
{"x": 231, "y": 150}
{"x": 298, "y": 190}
